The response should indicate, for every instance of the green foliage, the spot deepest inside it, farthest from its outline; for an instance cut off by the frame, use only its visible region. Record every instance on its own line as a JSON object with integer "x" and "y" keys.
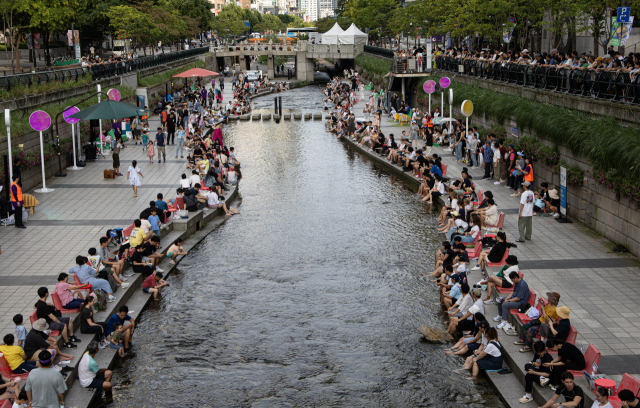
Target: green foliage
{"x": 20, "y": 123}
{"x": 575, "y": 175}
{"x": 166, "y": 75}
{"x": 21, "y": 90}
{"x": 380, "y": 66}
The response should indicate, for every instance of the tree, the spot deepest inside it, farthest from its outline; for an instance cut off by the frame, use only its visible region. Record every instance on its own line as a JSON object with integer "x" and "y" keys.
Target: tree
{"x": 229, "y": 21}
{"x": 139, "y": 26}
{"x": 269, "y": 23}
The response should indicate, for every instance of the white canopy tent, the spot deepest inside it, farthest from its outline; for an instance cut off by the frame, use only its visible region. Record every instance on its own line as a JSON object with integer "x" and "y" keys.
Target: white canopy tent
{"x": 353, "y": 35}
{"x": 331, "y": 36}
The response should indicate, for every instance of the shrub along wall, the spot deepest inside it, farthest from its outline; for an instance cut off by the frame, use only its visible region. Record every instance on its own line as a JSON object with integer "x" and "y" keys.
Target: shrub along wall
{"x": 600, "y": 153}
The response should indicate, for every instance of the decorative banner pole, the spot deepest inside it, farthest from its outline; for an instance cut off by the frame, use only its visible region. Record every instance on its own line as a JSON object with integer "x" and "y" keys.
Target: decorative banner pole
{"x": 451, "y": 107}
{"x": 444, "y": 83}
{"x": 100, "y": 123}
{"x": 72, "y": 121}
{"x": 40, "y": 121}
{"x": 467, "y": 110}
{"x": 7, "y": 122}
{"x": 429, "y": 87}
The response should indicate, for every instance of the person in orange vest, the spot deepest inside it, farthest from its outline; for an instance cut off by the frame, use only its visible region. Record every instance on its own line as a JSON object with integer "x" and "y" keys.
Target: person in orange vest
{"x": 17, "y": 202}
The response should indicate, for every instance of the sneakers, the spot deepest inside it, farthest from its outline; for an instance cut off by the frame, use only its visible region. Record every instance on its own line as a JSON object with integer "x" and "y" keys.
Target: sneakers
{"x": 69, "y": 345}
{"x": 125, "y": 285}
{"x": 128, "y": 274}
{"x": 103, "y": 344}
{"x": 544, "y": 381}
{"x": 111, "y": 299}
{"x": 519, "y": 343}
{"x": 172, "y": 262}
{"x": 66, "y": 369}
{"x": 74, "y": 339}
{"x": 556, "y": 215}
{"x": 205, "y": 209}
{"x": 497, "y": 318}
{"x": 553, "y": 387}
{"x": 158, "y": 269}
{"x": 501, "y": 325}
{"x": 476, "y": 268}
{"x": 496, "y": 182}
{"x": 514, "y": 195}
{"x": 525, "y": 399}
{"x": 489, "y": 302}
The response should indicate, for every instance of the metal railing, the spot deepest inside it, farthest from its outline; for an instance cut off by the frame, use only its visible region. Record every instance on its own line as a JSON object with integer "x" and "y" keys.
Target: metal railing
{"x": 610, "y": 85}
{"x": 379, "y": 51}
{"x": 97, "y": 71}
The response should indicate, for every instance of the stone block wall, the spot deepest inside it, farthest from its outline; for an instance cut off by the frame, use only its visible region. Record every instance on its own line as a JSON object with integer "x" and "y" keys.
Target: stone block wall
{"x": 592, "y": 204}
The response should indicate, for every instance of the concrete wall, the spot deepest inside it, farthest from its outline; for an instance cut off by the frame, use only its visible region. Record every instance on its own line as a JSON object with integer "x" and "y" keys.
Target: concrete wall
{"x": 592, "y": 204}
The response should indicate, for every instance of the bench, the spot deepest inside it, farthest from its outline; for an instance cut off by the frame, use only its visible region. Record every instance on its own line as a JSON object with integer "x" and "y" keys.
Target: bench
{"x": 5, "y": 370}
{"x": 480, "y": 195}
{"x": 532, "y": 301}
{"x": 58, "y": 304}
{"x": 502, "y": 262}
{"x": 444, "y": 169}
{"x": 499, "y": 224}
{"x": 34, "y": 316}
{"x": 628, "y": 382}
{"x": 475, "y": 251}
{"x": 524, "y": 318}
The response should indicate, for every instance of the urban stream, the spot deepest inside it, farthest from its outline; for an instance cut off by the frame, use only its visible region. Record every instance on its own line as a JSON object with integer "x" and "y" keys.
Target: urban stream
{"x": 311, "y": 297}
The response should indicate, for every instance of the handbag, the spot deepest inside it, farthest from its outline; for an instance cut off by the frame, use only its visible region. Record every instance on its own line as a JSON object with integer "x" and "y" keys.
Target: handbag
{"x": 55, "y": 311}
{"x": 524, "y": 308}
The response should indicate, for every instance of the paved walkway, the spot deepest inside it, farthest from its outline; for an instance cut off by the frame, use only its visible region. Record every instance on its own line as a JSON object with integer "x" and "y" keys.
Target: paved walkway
{"x": 70, "y": 220}
{"x": 598, "y": 285}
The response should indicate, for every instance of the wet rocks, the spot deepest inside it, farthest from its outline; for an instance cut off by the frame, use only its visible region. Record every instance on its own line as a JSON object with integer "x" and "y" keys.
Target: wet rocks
{"x": 435, "y": 334}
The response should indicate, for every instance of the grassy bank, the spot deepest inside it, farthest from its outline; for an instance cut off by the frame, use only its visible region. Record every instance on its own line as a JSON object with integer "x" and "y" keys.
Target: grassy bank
{"x": 166, "y": 75}
{"x": 376, "y": 65}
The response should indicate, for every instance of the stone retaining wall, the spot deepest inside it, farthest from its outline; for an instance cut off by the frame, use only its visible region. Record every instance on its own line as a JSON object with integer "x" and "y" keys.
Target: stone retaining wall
{"x": 593, "y": 204}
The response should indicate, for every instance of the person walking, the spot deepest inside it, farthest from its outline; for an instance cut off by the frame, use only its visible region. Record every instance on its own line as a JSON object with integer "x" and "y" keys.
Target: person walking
{"x": 45, "y": 386}
{"x": 17, "y": 201}
{"x": 221, "y": 80}
{"x": 525, "y": 216}
{"x": 180, "y": 142}
{"x": 134, "y": 175}
{"x": 160, "y": 140}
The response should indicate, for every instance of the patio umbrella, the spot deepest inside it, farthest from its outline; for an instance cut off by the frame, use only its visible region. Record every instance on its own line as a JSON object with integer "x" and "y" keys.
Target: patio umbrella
{"x": 109, "y": 110}
{"x": 196, "y": 72}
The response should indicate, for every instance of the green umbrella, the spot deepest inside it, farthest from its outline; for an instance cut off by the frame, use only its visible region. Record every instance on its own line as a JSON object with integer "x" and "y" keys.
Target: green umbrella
{"x": 109, "y": 110}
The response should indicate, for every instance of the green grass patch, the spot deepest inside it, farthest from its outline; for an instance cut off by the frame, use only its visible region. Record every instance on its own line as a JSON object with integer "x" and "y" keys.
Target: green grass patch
{"x": 377, "y": 65}
{"x": 19, "y": 89}
{"x": 166, "y": 75}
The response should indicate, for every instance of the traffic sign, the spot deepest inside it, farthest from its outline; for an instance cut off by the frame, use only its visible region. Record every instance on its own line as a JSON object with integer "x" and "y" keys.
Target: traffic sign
{"x": 623, "y": 14}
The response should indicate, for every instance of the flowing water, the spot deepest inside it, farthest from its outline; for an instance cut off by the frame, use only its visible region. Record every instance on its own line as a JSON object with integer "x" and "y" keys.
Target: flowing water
{"x": 310, "y": 298}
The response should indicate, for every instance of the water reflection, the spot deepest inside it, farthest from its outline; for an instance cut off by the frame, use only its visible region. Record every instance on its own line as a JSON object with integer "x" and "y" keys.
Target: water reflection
{"x": 310, "y": 298}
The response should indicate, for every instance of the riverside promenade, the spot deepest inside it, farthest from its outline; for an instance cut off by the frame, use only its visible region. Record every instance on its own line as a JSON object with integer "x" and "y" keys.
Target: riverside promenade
{"x": 597, "y": 284}
{"x": 70, "y": 220}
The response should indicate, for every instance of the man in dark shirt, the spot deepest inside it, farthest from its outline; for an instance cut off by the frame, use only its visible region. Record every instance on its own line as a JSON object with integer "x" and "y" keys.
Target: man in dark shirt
{"x": 45, "y": 311}
{"x": 38, "y": 340}
{"x": 160, "y": 138}
{"x": 573, "y": 394}
{"x": 569, "y": 358}
{"x": 170, "y": 127}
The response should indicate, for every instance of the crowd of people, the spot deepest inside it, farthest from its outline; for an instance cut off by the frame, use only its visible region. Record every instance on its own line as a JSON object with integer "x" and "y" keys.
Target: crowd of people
{"x": 462, "y": 220}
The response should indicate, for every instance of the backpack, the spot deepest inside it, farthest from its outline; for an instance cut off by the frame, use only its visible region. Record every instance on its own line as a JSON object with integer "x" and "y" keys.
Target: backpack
{"x": 101, "y": 299}
{"x": 112, "y": 283}
{"x": 115, "y": 234}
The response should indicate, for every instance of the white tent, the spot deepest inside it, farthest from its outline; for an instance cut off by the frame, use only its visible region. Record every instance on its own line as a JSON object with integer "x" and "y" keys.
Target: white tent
{"x": 331, "y": 36}
{"x": 353, "y": 35}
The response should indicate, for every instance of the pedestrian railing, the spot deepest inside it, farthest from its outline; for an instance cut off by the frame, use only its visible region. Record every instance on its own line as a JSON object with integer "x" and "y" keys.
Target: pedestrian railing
{"x": 379, "y": 51}
{"x": 97, "y": 71}
{"x": 616, "y": 86}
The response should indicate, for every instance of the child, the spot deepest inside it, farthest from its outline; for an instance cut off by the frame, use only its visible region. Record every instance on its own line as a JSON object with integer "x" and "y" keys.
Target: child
{"x": 151, "y": 151}
{"x": 134, "y": 175}
{"x": 21, "y": 401}
{"x": 154, "y": 220}
{"x": 175, "y": 250}
{"x": 21, "y": 332}
{"x": 145, "y": 139}
{"x": 231, "y": 176}
{"x": 116, "y": 339}
{"x": 95, "y": 260}
{"x": 154, "y": 284}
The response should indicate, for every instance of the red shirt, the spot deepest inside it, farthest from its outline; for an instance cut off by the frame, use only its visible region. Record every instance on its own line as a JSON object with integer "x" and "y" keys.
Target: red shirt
{"x": 150, "y": 282}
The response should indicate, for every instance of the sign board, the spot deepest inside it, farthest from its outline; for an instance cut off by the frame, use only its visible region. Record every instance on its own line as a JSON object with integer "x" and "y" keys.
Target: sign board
{"x": 563, "y": 191}
{"x": 624, "y": 13}
{"x": 429, "y": 62}
{"x": 36, "y": 41}
{"x": 467, "y": 108}
{"x": 29, "y": 39}
{"x": 514, "y": 129}
{"x": 76, "y": 43}
{"x": 253, "y": 75}
{"x": 69, "y": 38}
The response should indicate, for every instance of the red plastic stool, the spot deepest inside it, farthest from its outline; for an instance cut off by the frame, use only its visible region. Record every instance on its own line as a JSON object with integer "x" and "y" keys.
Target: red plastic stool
{"x": 606, "y": 383}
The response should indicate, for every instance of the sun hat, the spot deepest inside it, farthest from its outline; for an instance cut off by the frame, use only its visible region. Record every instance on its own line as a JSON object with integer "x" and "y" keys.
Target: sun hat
{"x": 553, "y": 297}
{"x": 511, "y": 260}
{"x": 599, "y": 59}
{"x": 40, "y": 325}
{"x": 554, "y": 194}
{"x": 564, "y": 312}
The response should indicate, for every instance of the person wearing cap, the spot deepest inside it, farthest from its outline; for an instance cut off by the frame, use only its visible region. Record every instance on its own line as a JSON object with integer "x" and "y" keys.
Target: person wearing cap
{"x": 525, "y": 215}
{"x": 472, "y": 340}
{"x": 45, "y": 386}
{"x": 501, "y": 279}
{"x": 569, "y": 358}
{"x": 465, "y": 322}
{"x": 38, "y": 340}
{"x": 531, "y": 329}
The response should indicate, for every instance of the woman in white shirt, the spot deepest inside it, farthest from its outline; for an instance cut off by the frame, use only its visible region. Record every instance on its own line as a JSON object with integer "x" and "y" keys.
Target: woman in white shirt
{"x": 437, "y": 191}
{"x": 470, "y": 236}
{"x": 490, "y": 358}
{"x": 602, "y": 398}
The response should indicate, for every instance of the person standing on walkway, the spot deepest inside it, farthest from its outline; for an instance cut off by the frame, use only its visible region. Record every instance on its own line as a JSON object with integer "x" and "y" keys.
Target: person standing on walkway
{"x": 487, "y": 158}
{"x": 134, "y": 175}
{"x": 45, "y": 386}
{"x": 221, "y": 80}
{"x": 17, "y": 201}
{"x": 160, "y": 139}
{"x": 180, "y": 142}
{"x": 525, "y": 216}
{"x": 170, "y": 127}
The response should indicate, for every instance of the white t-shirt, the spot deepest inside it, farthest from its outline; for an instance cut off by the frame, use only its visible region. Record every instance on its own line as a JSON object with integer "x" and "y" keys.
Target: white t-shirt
{"x": 461, "y": 223}
{"x": 87, "y": 370}
{"x": 527, "y": 198}
{"x": 597, "y": 405}
{"x": 145, "y": 226}
{"x": 194, "y": 179}
{"x": 184, "y": 183}
{"x": 440, "y": 188}
{"x": 474, "y": 231}
{"x": 492, "y": 349}
{"x": 231, "y": 176}
{"x": 478, "y": 307}
{"x": 212, "y": 198}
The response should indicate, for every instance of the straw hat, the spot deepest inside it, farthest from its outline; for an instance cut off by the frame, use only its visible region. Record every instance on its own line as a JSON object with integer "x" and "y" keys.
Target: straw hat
{"x": 564, "y": 312}
{"x": 554, "y": 194}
